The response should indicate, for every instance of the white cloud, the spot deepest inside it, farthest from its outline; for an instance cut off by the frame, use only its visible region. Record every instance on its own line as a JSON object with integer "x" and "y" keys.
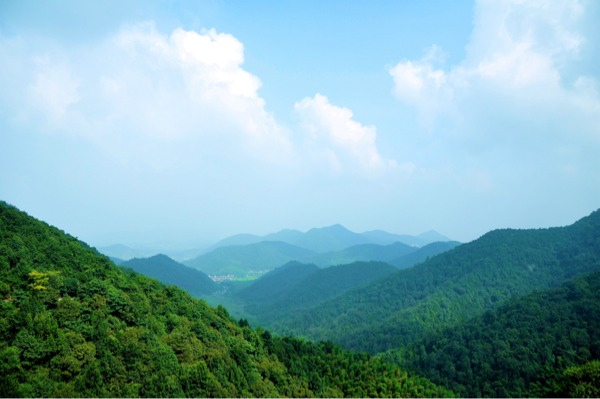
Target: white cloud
{"x": 166, "y": 101}
{"x": 144, "y": 90}
{"x": 517, "y": 71}
{"x": 334, "y": 137}
{"x": 54, "y": 89}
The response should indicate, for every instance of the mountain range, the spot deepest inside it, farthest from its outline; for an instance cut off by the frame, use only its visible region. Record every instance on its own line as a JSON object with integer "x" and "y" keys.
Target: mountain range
{"x": 513, "y": 313}
{"x": 452, "y": 287}
{"x": 73, "y": 324}
{"x": 324, "y": 239}
{"x": 332, "y": 238}
{"x": 246, "y": 254}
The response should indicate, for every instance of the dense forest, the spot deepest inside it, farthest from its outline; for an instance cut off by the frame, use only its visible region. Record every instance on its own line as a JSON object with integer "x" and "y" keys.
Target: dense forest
{"x": 74, "y": 324}
{"x": 450, "y": 288}
{"x": 544, "y": 344}
{"x": 298, "y": 286}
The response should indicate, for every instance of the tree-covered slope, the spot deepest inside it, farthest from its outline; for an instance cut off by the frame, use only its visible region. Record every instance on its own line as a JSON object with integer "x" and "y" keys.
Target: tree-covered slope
{"x": 452, "y": 287}
{"x": 242, "y": 259}
{"x": 74, "y": 324}
{"x": 315, "y": 288}
{"x": 521, "y": 349}
{"x": 170, "y": 272}
{"x": 276, "y": 284}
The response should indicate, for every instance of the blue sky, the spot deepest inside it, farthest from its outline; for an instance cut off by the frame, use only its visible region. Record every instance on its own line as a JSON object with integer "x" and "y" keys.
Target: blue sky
{"x": 178, "y": 123}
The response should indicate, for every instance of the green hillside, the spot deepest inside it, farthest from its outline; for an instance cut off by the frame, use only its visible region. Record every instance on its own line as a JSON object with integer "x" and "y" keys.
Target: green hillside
{"x": 74, "y": 324}
{"x": 451, "y": 287}
{"x": 241, "y": 260}
{"x": 527, "y": 347}
{"x": 276, "y": 284}
{"x": 170, "y": 272}
{"x": 314, "y": 288}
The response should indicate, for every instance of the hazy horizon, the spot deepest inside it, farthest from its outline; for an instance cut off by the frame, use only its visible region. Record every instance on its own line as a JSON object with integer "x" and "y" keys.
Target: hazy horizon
{"x": 187, "y": 122}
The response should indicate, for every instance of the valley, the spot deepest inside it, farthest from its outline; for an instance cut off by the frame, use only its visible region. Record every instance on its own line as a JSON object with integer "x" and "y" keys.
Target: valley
{"x": 433, "y": 316}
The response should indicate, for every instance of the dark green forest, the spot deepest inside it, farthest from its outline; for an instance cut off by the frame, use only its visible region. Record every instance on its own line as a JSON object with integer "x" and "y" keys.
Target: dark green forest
{"x": 531, "y": 346}
{"x": 515, "y": 313}
{"x": 297, "y": 287}
{"x": 73, "y": 324}
{"x": 450, "y": 288}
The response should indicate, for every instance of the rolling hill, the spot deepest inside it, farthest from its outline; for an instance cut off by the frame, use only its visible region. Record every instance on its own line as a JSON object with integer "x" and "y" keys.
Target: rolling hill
{"x": 527, "y": 347}
{"x": 331, "y": 238}
{"x": 72, "y": 324}
{"x": 276, "y": 284}
{"x": 169, "y": 272}
{"x": 241, "y": 260}
{"x": 451, "y": 287}
{"x": 296, "y": 286}
{"x": 263, "y": 256}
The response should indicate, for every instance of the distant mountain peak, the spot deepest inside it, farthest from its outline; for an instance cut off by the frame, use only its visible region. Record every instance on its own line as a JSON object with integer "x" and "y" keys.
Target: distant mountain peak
{"x": 433, "y": 236}
{"x": 333, "y": 228}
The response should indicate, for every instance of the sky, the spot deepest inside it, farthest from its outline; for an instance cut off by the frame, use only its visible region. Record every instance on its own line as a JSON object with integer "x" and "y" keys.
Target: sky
{"x": 178, "y": 123}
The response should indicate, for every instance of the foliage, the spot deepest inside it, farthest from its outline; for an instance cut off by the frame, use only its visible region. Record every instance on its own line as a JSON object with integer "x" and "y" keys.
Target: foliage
{"x": 276, "y": 284}
{"x": 583, "y": 381}
{"x": 450, "y": 288}
{"x": 527, "y": 347}
{"x": 96, "y": 330}
{"x": 288, "y": 291}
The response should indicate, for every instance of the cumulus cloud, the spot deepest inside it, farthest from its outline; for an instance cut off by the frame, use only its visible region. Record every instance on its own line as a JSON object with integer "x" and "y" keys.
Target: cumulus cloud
{"x": 337, "y": 140}
{"x": 144, "y": 90}
{"x": 54, "y": 90}
{"x": 516, "y": 123}
{"x": 517, "y": 65}
{"x": 141, "y": 95}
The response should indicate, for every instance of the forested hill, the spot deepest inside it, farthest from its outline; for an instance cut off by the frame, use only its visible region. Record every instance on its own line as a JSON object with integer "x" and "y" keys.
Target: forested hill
{"x": 311, "y": 289}
{"x": 276, "y": 284}
{"x": 536, "y": 346}
{"x": 243, "y": 259}
{"x": 452, "y": 287}
{"x": 74, "y": 324}
{"x": 168, "y": 271}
